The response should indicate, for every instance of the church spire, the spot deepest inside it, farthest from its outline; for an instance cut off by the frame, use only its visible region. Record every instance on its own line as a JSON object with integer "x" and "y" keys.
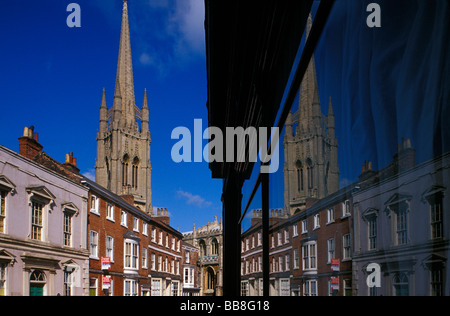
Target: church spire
{"x": 103, "y": 114}
{"x": 145, "y": 114}
{"x": 309, "y": 103}
{"x": 125, "y": 72}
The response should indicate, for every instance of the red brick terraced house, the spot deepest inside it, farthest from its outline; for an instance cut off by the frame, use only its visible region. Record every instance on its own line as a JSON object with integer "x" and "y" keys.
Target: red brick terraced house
{"x": 131, "y": 252}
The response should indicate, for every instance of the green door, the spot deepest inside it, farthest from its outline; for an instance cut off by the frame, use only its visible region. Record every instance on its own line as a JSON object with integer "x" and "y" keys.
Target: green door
{"x": 36, "y": 290}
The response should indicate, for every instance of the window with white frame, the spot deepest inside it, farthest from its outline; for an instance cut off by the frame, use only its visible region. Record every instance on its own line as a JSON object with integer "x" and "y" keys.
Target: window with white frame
{"x": 373, "y": 229}
{"x": 68, "y": 283}
{"x": 286, "y": 236}
{"x": 330, "y": 215}
{"x": 281, "y": 264}
{"x": 279, "y": 242}
{"x": 153, "y": 262}
{"x": 285, "y": 287}
{"x": 154, "y": 234}
{"x": 370, "y": 216}
{"x": 399, "y": 205}
{"x": 94, "y": 205}
{"x": 131, "y": 254}
{"x": 156, "y": 287}
{"x": 189, "y": 277}
{"x": 67, "y": 229}
{"x": 346, "y": 208}
{"x": 144, "y": 257}
{"x": 3, "y": 275}
{"x": 93, "y": 241}
{"x": 316, "y": 221}
{"x": 304, "y": 226}
{"x": 37, "y": 221}
{"x": 187, "y": 256}
{"x": 331, "y": 249}
{"x": 310, "y": 288}
{"x": 347, "y": 247}
{"x": 135, "y": 224}
{"x": 295, "y": 230}
{"x": 259, "y": 239}
{"x": 175, "y": 286}
{"x": 160, "y": 241}
{"x": 2, "y": 211}
{"x": 123, "y": 218}
{"x": 244, "y": 288}
{"x": 110, "y": 247}
{"x": 288, "y": 262}
{"x": 309, "y": 251}
{"x": 110, "y": 212}
{"x": 296, "y": 259}
{"x": 144, "y": 229}
{"x": 436, "y": 215}
{"x": 131, "y": 288}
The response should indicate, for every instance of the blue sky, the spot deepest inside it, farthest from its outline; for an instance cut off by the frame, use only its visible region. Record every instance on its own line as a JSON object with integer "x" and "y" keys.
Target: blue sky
{"x": 52, "y": 76}
{"x": 385, "y": 84}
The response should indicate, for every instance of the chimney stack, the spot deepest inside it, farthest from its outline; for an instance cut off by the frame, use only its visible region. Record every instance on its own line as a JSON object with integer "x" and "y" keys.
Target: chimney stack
{"x": 406, "y": 156}
{"x": 162, "y": 216}
{"x": 71, "y": 163}
{"x": 29, "y": 145}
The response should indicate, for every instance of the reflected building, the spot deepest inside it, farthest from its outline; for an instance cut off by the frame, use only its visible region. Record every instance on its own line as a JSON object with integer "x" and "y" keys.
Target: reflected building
{"x": 208, "y": 239}
{"x": 310, "y": 147}
{"x": 400, "y": 220}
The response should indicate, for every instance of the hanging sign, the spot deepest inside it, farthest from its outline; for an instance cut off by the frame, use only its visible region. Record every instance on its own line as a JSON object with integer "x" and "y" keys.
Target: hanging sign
{"x": 106, "y": 263}
{"x": 335, "y": 263}
{"x": 106, "y": 282}
{"x": 335, "y": 283}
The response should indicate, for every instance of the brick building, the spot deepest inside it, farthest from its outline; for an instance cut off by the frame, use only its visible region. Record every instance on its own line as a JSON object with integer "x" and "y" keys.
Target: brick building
{"x": 191, "y": 282}
{"x": 131, "y": 252}
{"x": 303, "y": 250}
{"x": 279, "y": 255}
{"x": 322, "y": 247}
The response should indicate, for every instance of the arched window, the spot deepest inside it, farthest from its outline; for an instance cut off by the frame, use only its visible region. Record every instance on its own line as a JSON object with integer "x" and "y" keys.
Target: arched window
{"x": 134, "y": 173}
{"x": 299, "y": 166}
{"x": 202, "y": 246}
{"x": 37, "y": 283}
{"x": 214, "y": 247}
{"x": 125, "y": 163}
{"x": 210, "y": 279}
{"x": 310, "y": 175}
{"x": 401, "y": 284}
{"x": 108, "y": 173}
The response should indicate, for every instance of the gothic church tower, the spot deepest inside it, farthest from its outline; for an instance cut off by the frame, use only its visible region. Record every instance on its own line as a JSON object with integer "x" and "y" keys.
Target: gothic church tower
{"x": 311, "y": 167}
{"x": 123, "y": 147}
